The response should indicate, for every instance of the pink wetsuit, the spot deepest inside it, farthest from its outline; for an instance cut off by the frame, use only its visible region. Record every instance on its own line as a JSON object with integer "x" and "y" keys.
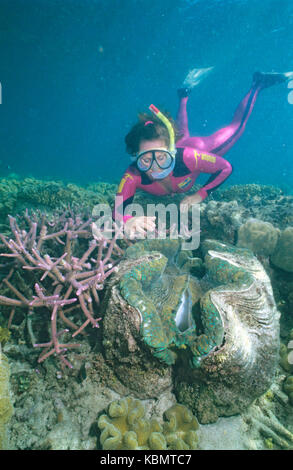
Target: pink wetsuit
{"x": 195, "y": 155}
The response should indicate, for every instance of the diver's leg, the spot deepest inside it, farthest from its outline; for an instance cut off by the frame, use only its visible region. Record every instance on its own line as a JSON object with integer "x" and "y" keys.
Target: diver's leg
{"x": 182, "y": 122}
{"x": 222, "y": 140}
{"x": 182, "y": 119}
{"x": 266, "y": 80}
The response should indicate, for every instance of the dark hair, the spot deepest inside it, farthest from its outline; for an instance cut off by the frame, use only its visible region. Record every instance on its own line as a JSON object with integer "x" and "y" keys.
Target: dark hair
{"x": 148, "y": 127}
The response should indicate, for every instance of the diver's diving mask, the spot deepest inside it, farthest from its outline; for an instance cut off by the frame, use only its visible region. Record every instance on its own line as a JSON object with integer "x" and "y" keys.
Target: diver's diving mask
{"x": 161, "y": 156}
{"x": 161, "y": 160}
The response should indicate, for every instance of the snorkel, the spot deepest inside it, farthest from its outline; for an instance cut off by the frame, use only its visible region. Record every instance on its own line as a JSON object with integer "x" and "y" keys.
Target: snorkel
{"x": 161, "y": 173}
{"x": 169, "y": 126}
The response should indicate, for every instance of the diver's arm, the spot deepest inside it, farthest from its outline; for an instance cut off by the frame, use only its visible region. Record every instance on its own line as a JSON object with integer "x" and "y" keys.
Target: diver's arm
{"x": 133, "y": 226}
{"x": 204, "y": 162}
{"x": 219, "y": 168}
{"x": 136, "y": 226}
{"x": 124, "y": 197}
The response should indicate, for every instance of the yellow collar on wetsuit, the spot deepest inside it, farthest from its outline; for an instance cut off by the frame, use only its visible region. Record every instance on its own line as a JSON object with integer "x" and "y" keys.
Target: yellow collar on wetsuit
{"x": 169, "y": 126}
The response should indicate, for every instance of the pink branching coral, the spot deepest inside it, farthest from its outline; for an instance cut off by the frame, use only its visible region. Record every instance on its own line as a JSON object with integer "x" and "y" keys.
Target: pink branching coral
{"x": 67, "y": 268}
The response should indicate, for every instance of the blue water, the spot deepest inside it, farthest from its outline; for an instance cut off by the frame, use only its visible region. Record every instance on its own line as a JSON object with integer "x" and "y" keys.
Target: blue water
{"x": 74, "y": 74}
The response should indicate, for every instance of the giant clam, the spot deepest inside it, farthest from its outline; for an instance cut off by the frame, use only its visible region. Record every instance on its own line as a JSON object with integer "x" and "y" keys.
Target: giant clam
{"x": 218, "y": 357}
{"x": 148, "y": 313}
{"x": 241, "y": 364}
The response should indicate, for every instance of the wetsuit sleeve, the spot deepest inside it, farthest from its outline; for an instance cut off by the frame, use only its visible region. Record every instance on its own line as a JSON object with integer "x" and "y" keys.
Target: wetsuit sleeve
{"x": 205, "y": 162}
{"x": 124, "y": 196}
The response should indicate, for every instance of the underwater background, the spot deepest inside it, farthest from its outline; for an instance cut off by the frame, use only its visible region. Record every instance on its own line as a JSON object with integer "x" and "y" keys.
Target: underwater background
{"x": 116, "y": 344}
{"x": 75, "y": 73}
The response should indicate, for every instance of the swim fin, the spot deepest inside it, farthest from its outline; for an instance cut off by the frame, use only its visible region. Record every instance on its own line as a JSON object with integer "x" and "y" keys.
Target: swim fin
{"x": 266, "y": 80}
{"x": 192, "y": 79}
{"x": 183, "y": 92}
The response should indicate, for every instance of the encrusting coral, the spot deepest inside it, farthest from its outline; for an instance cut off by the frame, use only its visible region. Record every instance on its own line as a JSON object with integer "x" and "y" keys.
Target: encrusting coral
{"x": 125, "y": 427}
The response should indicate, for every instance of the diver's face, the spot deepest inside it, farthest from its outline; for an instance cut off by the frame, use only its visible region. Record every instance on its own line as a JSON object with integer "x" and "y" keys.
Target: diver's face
{"x": 160, "y": 156}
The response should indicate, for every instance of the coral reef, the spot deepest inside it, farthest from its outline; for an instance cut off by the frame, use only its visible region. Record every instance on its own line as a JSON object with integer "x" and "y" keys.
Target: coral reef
{"x": 6, "y": 408}
{"x": 17, "y": 195}
{"x": 8, "y": 197}
{"x": 260, "y": 237}
{"x": 230, "y": 208}
{"x": 221, "y": 220}
{"x": 282, "y": 257}
{"x": 226, "y": 324}
{"x": 248, "y": 192}
{"x": 125, "y": 427}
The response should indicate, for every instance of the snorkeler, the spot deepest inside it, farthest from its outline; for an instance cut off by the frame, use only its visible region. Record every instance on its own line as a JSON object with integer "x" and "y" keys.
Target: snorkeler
{"x": 162, "y": 166}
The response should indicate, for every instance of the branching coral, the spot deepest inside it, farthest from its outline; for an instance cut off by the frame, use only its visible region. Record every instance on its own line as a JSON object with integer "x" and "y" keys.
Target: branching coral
{"x": 67, "y": 268}
{"x": 263, "y": 421}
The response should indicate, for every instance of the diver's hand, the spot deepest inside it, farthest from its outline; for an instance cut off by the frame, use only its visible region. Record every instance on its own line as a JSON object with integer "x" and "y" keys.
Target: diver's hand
{"x": 188, "y": 201}
{"x": 139, "y": 226}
